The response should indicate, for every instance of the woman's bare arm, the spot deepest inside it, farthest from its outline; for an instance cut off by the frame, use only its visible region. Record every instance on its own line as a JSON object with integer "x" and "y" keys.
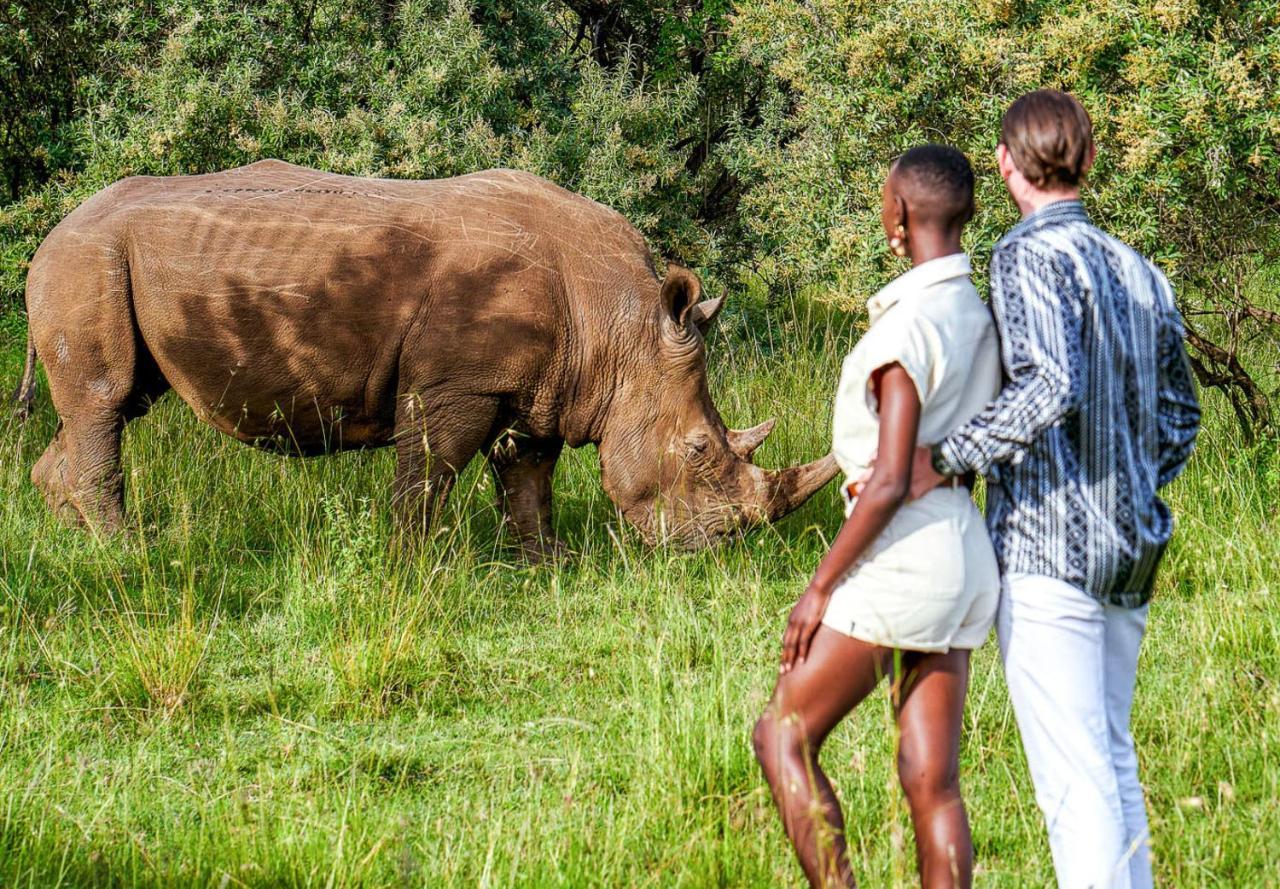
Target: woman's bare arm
{"x": 884, "y": 492}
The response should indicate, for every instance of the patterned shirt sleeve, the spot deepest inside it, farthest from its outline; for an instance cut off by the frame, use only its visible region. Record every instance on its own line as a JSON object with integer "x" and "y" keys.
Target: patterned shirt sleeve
{"x": 1035, "y": 297}
{"x": 1177, "y": 408}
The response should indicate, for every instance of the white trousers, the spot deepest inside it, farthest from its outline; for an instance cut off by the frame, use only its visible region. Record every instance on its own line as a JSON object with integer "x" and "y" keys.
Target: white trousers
{"x": 1070, "y": 663}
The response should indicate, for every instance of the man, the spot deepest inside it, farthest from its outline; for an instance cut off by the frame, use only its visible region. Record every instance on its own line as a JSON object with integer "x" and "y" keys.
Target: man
{"x": 1098, "y": 412}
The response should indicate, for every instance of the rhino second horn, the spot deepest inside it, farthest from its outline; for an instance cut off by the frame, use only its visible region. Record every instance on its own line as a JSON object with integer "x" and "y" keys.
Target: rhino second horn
{"x": 743, "y": 442}
{"x": 788, "y": 489}
{"x": 704, "y": 314}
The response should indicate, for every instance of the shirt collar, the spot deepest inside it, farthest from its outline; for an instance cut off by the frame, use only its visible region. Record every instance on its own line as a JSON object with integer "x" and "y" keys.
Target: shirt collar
{"x": 925, "y": 275}
{"x": 1053, "y": 213}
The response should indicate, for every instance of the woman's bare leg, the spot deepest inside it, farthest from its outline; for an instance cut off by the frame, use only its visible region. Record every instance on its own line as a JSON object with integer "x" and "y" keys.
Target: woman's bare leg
{"x": 807, "y": 704}
{"x": 929, "y": 697}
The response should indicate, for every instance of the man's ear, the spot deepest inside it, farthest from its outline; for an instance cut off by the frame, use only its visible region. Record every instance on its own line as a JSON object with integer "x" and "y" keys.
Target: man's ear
{"x": 1089, "y": 158}
{"x": 681, "y": 290}
{"x": 1004, "y": 160}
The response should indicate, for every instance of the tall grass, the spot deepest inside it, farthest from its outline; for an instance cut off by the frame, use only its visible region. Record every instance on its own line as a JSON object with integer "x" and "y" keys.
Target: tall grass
{"x": 250, "y": 691}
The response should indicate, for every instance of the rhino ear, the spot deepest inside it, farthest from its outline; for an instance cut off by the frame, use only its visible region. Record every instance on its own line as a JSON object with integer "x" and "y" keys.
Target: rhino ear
{"x": 681, "y": 290}
{"x": 704, "y": 314}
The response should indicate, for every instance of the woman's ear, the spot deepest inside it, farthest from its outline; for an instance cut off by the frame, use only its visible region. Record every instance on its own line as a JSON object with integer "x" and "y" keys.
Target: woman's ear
{"x": 681, "y": 290}
{"x": 900, "y": 211}
{"x": 898, "y": 240}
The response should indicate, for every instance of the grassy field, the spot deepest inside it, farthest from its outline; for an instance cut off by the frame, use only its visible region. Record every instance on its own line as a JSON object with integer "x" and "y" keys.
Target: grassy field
{"x": 249, "y": 691}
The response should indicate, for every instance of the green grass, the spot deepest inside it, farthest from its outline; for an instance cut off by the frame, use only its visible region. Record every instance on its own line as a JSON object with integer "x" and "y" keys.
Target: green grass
{"x": 250, "y": 691}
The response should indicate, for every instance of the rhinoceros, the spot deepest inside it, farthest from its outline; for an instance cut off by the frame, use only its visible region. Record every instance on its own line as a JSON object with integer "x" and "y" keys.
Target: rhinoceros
{"x": 309, "y": 312}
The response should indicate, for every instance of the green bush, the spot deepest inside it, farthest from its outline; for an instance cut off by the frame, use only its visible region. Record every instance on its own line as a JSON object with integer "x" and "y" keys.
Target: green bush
{"x": 798, "y": 106}
{"x": 1185, "y": 101}
{"x": 44, "y": 48}
{"x": 438, "y": 90}
{"x": 747, "y": 137}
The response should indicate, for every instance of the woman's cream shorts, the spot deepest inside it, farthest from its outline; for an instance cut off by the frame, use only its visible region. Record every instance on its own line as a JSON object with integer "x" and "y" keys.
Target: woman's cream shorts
{"x": 928, "y": 583}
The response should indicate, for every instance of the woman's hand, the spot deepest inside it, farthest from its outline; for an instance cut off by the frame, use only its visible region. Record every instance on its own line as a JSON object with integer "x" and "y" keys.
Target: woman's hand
{"x": 802, "y": 625}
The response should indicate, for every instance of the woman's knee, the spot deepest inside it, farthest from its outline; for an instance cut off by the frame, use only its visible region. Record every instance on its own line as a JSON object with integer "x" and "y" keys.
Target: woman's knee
{"x": 927, "y": 781}
{"x": 766, "y": 737}
{"x": 780, "y": 734}
{"x": 761, "y": 736}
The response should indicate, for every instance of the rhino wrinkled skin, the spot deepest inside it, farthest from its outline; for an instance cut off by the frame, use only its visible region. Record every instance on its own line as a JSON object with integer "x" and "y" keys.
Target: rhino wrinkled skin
{"x": 309, "y": 312}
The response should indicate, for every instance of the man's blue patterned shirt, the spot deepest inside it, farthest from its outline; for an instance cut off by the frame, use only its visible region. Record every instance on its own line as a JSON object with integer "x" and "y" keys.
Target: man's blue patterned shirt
{"x": 1098, "y": 410}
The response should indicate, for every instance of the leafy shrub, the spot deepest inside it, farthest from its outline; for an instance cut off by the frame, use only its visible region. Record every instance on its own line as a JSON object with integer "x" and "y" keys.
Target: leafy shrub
{"x": 442, "y": 89}
{"x": 1185, "y": 101}
{"x": 740, "y": 137}
{"x": 44, "y": 48}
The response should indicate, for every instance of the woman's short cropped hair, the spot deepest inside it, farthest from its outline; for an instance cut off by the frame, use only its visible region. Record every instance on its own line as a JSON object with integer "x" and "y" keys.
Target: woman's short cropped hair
{"x": 941, "y": 180}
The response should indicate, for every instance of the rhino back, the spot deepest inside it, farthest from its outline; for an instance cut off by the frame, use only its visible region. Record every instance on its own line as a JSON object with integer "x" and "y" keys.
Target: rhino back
{"x": 277, "y": 300}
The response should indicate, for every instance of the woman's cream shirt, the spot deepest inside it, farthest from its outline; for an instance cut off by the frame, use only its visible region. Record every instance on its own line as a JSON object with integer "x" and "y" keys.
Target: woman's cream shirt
{"x": 931, "y": 322}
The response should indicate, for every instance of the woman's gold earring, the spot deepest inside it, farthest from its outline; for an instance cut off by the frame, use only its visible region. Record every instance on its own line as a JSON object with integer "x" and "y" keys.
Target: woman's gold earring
{"x": 898, "y": 243}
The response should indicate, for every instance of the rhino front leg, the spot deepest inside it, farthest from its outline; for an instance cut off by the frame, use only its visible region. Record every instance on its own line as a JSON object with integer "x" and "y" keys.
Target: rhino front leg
{"x": 435, "y": 440}
{"x": 522, "y": 470}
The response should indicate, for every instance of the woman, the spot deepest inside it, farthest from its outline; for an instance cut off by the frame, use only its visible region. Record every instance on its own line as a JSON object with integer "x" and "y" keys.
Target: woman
{"x": 908, "y": 589}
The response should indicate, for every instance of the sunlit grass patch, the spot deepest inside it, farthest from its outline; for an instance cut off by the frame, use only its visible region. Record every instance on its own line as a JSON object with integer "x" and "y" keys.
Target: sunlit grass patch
{"x": 257, "y": 687}
{"x": 155, "y": 654}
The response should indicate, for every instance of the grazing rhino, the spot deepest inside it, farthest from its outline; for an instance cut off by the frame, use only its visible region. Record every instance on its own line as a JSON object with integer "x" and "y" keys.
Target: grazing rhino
{"x": 308, "y": 312}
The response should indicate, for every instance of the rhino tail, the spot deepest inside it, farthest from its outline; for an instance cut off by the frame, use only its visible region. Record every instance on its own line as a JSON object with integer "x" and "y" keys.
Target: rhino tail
{"x": 25, "y": 395}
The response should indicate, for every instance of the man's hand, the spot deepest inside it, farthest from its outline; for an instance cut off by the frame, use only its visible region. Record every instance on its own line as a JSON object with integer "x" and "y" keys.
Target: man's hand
{"x": 802, "y": 625}
{"x": 923, "y": 478}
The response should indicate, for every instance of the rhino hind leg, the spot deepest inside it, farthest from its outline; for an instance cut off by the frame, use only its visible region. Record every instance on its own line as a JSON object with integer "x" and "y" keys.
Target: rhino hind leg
{"x": 79, "y": 472}
{"x": 435, "y": 439}
{"x": 51, "y": 477}
{"x": 523, "y": 469}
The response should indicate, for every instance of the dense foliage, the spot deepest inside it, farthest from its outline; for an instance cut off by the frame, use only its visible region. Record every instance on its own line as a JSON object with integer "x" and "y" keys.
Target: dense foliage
{"x": 42, "y": 47}
{"x": 1185, "y": 99}
{"x": 747, "y": 137}
{"x": 624, "y": 109}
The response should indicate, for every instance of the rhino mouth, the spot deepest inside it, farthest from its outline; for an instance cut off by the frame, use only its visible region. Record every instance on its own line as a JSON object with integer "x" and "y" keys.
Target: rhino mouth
{"x": 768, "y": 495}
{"x": 663, "y": 527}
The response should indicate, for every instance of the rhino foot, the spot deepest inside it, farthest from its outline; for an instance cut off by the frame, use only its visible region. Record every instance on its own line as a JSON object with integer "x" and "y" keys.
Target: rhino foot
{"x": 544, "y": 551}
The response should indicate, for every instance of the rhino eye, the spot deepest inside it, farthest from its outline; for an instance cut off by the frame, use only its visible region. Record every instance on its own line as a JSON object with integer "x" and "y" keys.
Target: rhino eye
{"x": 699, "y": 449}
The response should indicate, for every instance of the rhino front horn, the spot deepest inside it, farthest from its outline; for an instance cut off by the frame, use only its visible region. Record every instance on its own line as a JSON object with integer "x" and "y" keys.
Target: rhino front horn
{"x": 743, "y": 442}
{"x": 788, "y": 489}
